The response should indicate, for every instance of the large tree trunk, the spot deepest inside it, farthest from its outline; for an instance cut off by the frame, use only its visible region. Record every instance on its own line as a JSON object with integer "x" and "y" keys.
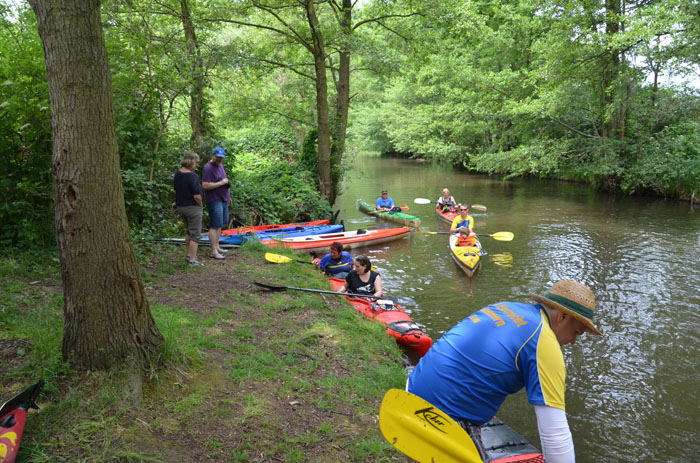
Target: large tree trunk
{"x": 197, "y": 78}
{"x": 325, "y": 182}
{"x": 343, "y": 92}
{"x": 106, "y": 313}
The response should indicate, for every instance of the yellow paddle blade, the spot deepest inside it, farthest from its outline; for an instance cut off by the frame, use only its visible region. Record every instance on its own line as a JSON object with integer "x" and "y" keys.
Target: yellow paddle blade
{"x": 503, "y": 236}
{"x": 424, "y": 432}
{"x": 422, "y": 232}
{"x": 276, "y": 258}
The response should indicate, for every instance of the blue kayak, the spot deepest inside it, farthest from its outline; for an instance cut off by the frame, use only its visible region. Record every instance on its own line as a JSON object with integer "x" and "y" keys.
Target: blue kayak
{"x": 277, "y": 233}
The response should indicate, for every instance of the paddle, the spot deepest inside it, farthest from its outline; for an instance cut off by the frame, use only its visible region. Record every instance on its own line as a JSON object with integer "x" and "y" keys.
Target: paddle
{"x": 424, "y": 432}
{"x": 322, "y": 291}
{"x": 498, "y": 236}
{"x": 280, "y": 259}
{"x": 477, "y": 207}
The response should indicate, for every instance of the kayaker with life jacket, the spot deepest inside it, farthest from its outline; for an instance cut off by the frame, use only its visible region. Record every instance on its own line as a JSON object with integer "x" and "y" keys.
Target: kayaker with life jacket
{"x": 502, "y": 348}
{"x": 466, "y": 237}
{"x": 362, "y": 280}
{"x": 446, "y": 202}
{"x": 462, "y": 220}
{"x": 337, "y": 263}
{"x": 385, "y": 203}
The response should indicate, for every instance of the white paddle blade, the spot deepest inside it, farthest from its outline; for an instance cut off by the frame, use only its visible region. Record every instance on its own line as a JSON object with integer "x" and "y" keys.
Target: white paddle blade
{"x": 421, "y": 201}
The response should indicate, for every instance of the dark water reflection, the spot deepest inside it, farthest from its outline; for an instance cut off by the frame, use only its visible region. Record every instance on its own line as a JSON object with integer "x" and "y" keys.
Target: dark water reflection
{"x": 632, "y": 395}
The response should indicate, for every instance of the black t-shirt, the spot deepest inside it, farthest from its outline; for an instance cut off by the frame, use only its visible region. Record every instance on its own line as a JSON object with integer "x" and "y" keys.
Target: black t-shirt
{"x": 186, "y": 186}
{"x": 355, "y": 285}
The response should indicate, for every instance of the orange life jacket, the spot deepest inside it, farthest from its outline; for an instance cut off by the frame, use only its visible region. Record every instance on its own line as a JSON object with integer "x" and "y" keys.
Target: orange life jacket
{"x": 463, "y": 242}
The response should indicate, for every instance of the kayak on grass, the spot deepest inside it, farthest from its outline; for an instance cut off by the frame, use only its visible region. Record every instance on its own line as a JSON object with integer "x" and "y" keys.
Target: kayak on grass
{"x": 349, "y": 239}
{"x": 397, "y": 322}
{"x": 397, "y": 217}
{"x": 467, "y": 257}
{"x": 259, "y": 228}
{"x": 276, "y": 234}
{"x": 13, "y": 416}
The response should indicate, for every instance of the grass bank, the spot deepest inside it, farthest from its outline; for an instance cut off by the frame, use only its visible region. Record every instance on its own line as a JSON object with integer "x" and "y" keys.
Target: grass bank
{"x": 245, "y": 376}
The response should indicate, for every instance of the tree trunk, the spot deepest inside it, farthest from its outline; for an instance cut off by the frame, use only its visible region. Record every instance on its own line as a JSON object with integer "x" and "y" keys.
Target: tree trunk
{"x": 325, "y": 182}
{"x": 611, "y": 73}
{"x": 343, "y": 93}
{"x": 106, "y": 314}
{"x": 196, "y": 77}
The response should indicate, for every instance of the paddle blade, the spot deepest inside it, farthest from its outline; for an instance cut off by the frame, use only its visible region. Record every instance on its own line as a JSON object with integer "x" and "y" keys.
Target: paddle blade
{"x": 422, "y": 232}
{"x": 404, "y": 207}
{"x": 276, "y": 258}
{"x": 503, "y": 236}
{"x": 424, "y": 432}
{"x": 421, "y": 201}
{"x": 478, "y": 207}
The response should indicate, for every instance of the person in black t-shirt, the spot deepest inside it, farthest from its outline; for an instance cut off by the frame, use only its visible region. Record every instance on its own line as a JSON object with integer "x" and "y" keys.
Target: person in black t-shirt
{"x": 188, "y": 199}
{"x": 363, "y": 280}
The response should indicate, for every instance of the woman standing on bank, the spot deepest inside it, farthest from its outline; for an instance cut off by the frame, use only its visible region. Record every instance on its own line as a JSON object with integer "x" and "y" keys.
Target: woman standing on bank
{"x": 188, "y": 199}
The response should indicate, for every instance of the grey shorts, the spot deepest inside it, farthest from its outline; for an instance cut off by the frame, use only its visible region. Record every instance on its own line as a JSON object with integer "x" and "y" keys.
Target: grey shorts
{"x": 192, "y": 217}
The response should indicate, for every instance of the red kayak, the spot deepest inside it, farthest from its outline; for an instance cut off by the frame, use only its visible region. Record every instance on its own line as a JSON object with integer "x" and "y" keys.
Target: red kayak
{"x": 446, "y": 217}
{"x": 397, "y": 322}
{"x": 13, "y": 415}
{"x": 349, "y": 240}
{"x": 258, "y": 228}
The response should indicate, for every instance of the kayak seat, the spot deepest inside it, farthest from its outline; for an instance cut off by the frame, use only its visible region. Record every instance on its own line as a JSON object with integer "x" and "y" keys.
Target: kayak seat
{"x": 361, "y": 231}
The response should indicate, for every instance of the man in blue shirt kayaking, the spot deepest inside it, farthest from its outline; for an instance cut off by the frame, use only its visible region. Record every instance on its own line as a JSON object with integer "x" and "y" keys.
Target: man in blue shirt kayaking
{"x": 502, "y": 348}
{"x": 385, "y": 203}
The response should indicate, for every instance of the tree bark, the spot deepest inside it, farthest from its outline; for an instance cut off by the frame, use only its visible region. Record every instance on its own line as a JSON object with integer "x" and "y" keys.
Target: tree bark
{"x": 196, "y": 78}
{"x": 106, "y": 314}
{"x": 325, "y": 182}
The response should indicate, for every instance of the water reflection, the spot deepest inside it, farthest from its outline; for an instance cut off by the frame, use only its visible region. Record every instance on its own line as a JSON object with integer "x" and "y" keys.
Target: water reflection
{"x": 632, "y": 394}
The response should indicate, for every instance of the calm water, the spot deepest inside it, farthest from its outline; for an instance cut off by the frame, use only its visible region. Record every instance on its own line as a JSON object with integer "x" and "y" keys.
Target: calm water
{"x": 632, "y": 395}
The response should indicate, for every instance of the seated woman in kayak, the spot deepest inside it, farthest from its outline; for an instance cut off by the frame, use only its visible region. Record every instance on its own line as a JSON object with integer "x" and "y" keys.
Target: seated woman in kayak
{"x": 466, "y": 237}
{"x": 363, "y": 280}
{"x": 337, "y": 263}
{"x": 446, "y": 202}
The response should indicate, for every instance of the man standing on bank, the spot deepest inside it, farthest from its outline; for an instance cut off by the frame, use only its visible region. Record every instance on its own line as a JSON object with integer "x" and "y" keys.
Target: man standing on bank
{"x": 218, "y": 198}
{"x": 502, "y": 348}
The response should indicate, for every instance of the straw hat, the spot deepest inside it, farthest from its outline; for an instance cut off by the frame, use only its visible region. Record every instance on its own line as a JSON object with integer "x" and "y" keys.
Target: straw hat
{"x": 573, "y": 299}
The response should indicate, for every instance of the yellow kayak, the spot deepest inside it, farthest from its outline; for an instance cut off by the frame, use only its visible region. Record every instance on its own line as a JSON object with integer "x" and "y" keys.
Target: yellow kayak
{"x": 467, "y": 257}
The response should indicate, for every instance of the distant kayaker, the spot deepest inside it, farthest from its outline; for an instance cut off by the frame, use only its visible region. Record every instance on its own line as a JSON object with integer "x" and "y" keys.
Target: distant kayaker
{"x": 446, "y": 202}
{"x": 362, "y": 280}
{"x": 462, "y": 220}
{"x": 218, "y": 198}
{"x": 502, "y": 348}
{"x": 384, "y": 202}
{"x": 188, "y": 199}
{"x": 337, "y": 263}
{"x": 466, "y": 237}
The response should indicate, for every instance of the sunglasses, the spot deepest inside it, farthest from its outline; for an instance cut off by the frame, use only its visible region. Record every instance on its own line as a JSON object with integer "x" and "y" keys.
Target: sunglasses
{"x": 464, "y": 209}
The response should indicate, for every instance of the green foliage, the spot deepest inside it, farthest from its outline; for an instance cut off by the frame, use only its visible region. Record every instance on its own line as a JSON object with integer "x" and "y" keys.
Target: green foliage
{"x": 308, "y": 159}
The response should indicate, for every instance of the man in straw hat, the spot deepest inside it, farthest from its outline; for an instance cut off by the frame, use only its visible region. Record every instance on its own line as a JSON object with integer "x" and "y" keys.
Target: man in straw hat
{"x": 502, "y": 348}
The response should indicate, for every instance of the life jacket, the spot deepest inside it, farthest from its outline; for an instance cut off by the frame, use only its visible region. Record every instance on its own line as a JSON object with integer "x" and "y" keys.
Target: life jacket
{"x": 463, "y": 242}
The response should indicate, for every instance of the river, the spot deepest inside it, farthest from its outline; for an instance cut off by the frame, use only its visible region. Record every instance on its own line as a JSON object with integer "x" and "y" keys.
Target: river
{"x": 632, "y": 394}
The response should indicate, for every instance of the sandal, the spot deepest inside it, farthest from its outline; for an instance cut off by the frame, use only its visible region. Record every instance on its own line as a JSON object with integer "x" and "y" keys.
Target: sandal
{"x": 195, "y": 263}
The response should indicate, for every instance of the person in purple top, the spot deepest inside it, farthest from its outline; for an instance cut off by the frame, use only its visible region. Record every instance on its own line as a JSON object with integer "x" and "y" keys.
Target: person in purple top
{"x": 218, "y": 198}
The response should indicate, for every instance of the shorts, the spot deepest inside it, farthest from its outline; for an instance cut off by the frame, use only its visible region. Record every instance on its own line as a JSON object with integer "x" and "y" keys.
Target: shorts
{"x": 192, "y": 217}
{"x": 218, "y": 214}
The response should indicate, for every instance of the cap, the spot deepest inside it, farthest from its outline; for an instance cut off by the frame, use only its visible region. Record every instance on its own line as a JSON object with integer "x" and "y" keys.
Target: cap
{"x": 219, "y": 152}
{"x": 384, "y": 191}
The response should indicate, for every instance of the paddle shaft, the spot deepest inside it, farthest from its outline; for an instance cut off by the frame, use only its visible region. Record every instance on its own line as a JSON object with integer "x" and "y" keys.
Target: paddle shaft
{"x": 310, "y": 290}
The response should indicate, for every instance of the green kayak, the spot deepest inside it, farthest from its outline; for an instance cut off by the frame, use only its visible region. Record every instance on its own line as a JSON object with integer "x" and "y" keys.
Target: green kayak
{"x": 396, "y": 217}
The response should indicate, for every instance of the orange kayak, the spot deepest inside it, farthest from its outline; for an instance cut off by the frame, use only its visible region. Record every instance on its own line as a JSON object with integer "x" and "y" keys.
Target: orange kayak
{"x": 349, "y": 240}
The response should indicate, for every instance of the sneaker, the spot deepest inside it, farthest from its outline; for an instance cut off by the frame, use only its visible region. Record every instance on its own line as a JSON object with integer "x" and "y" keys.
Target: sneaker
{"x": 187, "y": 259}
{"x": 223, "y": 251}
{"x": 195, "y": 263}
{"x": 216, "y": 255}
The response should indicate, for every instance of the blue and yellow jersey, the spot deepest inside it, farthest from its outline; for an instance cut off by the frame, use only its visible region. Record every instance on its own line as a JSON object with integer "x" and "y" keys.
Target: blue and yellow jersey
{"x": 331, "y": 267}
{"x": 494, "y": 352}
{"x": 460, "y": 222}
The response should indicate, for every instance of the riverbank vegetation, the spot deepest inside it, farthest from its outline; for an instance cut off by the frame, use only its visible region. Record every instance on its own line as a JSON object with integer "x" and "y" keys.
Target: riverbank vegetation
{"x": 244, "y": 375}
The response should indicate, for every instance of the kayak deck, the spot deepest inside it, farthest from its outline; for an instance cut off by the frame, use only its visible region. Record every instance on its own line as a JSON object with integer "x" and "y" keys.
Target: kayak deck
{"x": 503, "y": 444}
